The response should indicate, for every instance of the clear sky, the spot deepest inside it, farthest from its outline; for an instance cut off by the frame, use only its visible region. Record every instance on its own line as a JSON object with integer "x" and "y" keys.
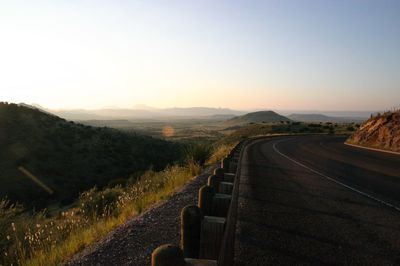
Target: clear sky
{"x": 325, "y": 55}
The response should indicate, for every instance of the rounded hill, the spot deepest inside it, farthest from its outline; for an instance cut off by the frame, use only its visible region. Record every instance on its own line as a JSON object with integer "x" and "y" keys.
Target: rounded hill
{"x": 256, "y": 117}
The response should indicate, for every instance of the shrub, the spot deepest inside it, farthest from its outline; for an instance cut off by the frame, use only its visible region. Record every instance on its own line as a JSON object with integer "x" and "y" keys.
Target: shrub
{"x": 198, "y": 153}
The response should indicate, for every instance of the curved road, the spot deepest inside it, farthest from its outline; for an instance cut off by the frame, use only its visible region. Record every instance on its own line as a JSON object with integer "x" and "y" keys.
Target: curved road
{"x": 312, "y": 200}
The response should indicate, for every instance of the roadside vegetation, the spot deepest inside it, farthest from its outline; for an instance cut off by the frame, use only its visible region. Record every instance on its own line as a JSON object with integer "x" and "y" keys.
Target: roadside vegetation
{"x": 286, "y": 127}
{"x": 40, "y": 239}
{"x": 68, "y": 157}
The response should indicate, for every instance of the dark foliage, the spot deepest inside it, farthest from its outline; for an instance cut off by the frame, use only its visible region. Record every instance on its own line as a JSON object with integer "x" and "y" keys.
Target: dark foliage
{"x": 69, "y": 157}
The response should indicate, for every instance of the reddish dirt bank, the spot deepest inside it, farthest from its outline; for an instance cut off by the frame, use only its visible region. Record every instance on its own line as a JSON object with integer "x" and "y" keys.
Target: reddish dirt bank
{"x": 379, "y": 132}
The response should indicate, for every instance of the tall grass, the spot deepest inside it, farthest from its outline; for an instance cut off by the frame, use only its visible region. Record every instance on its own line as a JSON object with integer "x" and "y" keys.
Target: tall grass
{"x": 35, "y": 239}
{"x": 220, "y": 152}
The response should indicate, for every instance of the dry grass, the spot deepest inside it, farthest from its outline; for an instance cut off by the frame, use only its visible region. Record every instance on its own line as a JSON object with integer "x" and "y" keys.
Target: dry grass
{"x": 39, "y": 240}
{"x": 221, "y": 152}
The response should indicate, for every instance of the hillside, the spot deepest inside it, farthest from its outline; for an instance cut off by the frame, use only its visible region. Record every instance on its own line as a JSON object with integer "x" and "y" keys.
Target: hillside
{"x": 256, "y": 117}
{"x": 380, "y": 131}
{"x": 316, "y": 118}
{"x": 68, "y": 157}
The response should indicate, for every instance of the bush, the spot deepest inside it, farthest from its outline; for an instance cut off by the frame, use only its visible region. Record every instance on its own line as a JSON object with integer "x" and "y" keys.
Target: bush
{"x": 197, "y": 153}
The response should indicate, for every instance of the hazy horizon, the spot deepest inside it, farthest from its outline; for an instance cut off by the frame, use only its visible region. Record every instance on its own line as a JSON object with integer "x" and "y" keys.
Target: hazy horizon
{"x": 250, "y": 55}
{"x": 150, "y": 111}
{"x": 149, "y": 108}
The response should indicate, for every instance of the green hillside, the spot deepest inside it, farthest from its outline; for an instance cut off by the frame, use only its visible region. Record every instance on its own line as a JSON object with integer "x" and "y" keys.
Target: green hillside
{"x": 256, "y": 117}
{"x": 68, "y": 157}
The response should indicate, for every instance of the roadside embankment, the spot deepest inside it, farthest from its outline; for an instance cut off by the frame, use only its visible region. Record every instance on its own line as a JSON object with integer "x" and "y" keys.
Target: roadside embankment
{"x": 379, "y": 132}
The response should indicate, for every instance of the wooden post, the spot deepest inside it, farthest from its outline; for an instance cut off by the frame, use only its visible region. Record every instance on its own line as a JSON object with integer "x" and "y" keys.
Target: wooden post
{"x": 213, "y": 181}
{"x": 167, "y": 255}
{"x": 220, "y": 205}
{"x": 190, "y": 231}
{"x": 206, "y": 194}
{"x": 219, "y": 172}
{"x": 212, "y": 231}
{"x": 225, "y": 164}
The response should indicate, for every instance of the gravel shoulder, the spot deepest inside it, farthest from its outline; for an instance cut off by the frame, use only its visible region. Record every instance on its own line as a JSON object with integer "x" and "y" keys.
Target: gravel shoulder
{"x": 133, "y": 242}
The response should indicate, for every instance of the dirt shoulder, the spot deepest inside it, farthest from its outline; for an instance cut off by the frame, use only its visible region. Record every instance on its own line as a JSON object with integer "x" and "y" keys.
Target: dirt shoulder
{"x": 133, "y": 242}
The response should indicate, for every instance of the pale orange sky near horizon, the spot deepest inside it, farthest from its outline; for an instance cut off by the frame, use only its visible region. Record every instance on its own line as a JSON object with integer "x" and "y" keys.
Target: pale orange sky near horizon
{"x": 298, "y": 55}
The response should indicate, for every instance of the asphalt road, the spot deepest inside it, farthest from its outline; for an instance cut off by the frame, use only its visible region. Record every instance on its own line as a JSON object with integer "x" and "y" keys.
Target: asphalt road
{"x": 311, "y": 200}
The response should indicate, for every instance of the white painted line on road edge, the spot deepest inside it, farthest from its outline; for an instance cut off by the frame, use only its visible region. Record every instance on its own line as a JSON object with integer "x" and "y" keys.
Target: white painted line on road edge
{"x": 334, "y": 180}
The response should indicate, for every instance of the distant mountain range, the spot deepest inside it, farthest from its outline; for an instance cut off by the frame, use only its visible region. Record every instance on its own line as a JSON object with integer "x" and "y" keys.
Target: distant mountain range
{"x": 140, "y": 112}
{"x": 147, "y": 113}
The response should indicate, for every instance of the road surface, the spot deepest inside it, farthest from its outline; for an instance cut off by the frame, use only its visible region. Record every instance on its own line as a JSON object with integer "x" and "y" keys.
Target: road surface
{"x": 312, "y": 200}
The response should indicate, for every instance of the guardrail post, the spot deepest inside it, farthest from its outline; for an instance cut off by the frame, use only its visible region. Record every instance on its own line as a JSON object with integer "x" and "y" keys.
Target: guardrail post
{"x": 225, "y": 164}
{"x": 219, "y": 172}
{"x": 213, "y": 181}
{"x": 206, "y": 194}
{"x": 190, "y": 231}
{"x": 167, "y": 255}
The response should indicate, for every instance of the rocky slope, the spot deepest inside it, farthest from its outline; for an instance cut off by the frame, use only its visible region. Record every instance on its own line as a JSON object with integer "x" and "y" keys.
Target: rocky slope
{"x": 381, "y": 132}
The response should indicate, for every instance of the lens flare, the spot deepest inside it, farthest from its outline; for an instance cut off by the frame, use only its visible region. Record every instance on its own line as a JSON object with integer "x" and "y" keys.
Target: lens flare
{"x": 35, "y": 179}
{"x": 168, "y": 131}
